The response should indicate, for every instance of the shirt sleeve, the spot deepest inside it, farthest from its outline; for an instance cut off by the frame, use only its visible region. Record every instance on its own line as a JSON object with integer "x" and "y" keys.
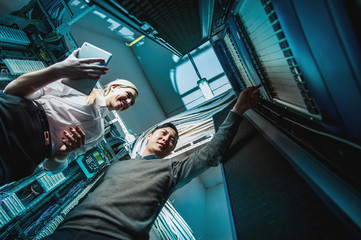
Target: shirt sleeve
{"x": 210, "y": 155}
{"x": 55, "y": 89}
{"x": 56, "y": 162}
{"x": 59, "y": 162}
{"x": 36, "y": 95}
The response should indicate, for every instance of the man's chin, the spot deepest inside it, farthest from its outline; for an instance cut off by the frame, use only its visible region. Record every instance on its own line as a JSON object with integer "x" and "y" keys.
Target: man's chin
{"x": 161, "y": 154}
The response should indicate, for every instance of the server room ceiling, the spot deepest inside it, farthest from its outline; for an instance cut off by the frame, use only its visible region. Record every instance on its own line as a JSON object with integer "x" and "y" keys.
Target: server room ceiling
{"x": 182, "y": 24}
{"x": 177, "y": 22}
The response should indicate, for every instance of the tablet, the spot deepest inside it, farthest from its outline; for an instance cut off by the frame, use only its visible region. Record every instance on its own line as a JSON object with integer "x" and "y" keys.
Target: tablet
{"x": 88, "y": 50}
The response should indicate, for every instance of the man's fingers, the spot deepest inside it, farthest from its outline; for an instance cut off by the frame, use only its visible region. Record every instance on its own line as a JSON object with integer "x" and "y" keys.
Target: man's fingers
{"x": 253, "y": 91}
{"x": 253, "y": 88}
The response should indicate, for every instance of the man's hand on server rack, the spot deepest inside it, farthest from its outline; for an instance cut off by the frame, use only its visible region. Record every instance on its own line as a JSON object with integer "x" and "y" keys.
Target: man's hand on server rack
{"x": 247, "y": 99}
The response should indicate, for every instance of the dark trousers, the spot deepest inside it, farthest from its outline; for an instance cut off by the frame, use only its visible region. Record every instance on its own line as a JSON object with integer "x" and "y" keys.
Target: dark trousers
{"x": 74, "y": 234}
{"x": 22, "y": 143}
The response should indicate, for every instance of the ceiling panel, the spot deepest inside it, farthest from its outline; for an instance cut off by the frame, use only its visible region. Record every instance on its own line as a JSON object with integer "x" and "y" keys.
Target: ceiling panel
{"x": 177, "y": 22}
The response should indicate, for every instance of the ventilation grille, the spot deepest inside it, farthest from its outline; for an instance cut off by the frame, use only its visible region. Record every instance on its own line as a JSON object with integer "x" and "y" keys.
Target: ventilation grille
{"x": 177, "y": 22}
{"x": 266, "y": 41}
{"x": 49, "y": 182}
{"x": 13, "y": 36}
{"x": 19, "y": 66}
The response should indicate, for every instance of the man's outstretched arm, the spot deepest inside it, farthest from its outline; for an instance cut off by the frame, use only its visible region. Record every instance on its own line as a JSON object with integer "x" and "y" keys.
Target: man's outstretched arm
{"x": 212, "y": 153}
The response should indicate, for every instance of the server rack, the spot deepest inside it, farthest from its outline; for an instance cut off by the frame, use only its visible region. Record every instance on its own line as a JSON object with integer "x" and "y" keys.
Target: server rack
{"x": 306, "y": 57}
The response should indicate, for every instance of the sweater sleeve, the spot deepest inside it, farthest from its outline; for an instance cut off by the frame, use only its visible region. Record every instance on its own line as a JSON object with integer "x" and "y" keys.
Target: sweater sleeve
{"x": 210, "y": 155}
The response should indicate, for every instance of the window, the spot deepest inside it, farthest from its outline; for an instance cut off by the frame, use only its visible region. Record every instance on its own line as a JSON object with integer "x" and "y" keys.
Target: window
{"x": 185, "y": 78}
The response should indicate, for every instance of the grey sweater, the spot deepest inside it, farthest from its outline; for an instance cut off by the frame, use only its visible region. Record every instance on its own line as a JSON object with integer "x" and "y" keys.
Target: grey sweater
{"x": 132, "y": 193}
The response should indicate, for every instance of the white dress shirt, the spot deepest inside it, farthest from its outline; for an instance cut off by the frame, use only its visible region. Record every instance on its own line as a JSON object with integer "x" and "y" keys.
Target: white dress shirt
{"x": 66, "y": 107}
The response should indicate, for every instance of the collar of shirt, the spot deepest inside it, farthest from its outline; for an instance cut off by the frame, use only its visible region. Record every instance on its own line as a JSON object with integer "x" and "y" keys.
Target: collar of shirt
{"x": 151, "y": 156}
{"x": 102, "y": 105}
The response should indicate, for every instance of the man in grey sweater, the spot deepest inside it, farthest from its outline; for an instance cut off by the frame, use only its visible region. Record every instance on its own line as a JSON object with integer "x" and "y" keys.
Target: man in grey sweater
{"x": 126, "y": 202}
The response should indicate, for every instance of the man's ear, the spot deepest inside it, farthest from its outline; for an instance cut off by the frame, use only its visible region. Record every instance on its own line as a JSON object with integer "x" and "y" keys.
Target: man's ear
{"x": 149, "y": 135}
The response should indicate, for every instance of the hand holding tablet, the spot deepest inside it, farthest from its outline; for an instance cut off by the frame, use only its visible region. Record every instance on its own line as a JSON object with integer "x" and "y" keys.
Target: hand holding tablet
{"x": 88, "y": 50}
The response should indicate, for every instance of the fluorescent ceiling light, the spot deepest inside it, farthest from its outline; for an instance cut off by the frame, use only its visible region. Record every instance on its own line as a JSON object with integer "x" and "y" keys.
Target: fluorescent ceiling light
{"x": 126, "y": 33}
{"x": 75, "y": 3}
{"x": 206, "y": 90}
{"x": 101, "y": 15}
{"x": 114, "y": 24}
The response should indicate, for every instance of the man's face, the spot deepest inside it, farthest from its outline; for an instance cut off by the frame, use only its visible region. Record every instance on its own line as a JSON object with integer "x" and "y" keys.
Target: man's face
{"x": 161, "y": 142}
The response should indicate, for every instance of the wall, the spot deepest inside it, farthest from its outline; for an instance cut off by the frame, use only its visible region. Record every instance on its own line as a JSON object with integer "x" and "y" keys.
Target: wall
{"x": 157, "y": 62}
{"x": 202, "y": 204}
{"x": 190, "y": 202}
{"x": 217, "y": 214}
